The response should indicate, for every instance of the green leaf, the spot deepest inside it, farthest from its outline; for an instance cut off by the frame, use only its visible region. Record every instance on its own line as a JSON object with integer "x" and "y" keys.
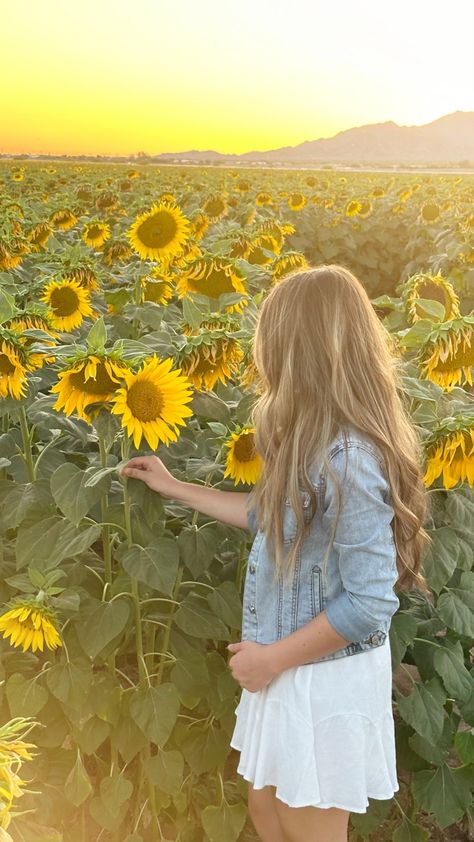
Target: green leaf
{"x": 97, "y": 337}
{"x": 197, "y": 548}
{"x": 441, "y": 557}
{"x": 422, "y": 711}
{"x": 449, "y": 664}
{"x": 77, "y": 786}
{"x": 91, "y": 734}
{"x": 456, "y": 609}
{"x": 225, "y": 602}
{"x": 408, "y": 831}
{"x": 115, "y": 791}
{"x": 47, "y": 543}
{"x": 193, "y": 618}
{"x": 100, "y": 622}
{"x": 69, "y": 683}
{"x": 26, "y": 697}
{"x": 7, "y": 306}
{"x": 156, "y": 566}
{"x": 442, "y": 793}
{"x": 155, "y": 710}
{"x": 191, "y": 313}
{"x": 165, "y": 770}
{"x": 205, "y": 748}
{"x": 72, "y": 493}
{"x": 224, "y": 823}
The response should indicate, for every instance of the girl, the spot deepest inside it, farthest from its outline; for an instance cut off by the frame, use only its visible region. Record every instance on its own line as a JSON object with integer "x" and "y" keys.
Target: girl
{"x": 337, "y": 515}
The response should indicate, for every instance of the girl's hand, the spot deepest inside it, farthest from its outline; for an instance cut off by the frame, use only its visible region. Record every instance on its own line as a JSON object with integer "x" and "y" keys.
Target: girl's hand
{"x": 151, "y": 470}
{"x": 252, "y": 665}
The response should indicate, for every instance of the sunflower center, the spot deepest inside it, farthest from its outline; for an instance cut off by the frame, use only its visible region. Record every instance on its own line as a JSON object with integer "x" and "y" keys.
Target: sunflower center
{"x": 158, "y": 230}
{"x": 216, "y": 283}
{"x": 6, "y": 365}
{"x": 64, "y": 301}
{"x": 103, "y": 383}
{"x": 145, "y": 401}
{"x": 244, "y": 449}
{"x": 94, "y": 231}
{"x": 460, "y": 359}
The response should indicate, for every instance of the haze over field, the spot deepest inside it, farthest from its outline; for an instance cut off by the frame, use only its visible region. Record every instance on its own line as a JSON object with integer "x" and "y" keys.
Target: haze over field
{"x": 115, "y": 77}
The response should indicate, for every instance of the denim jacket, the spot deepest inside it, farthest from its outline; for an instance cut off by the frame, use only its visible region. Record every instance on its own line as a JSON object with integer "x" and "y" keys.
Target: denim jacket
{"x": 356, "y": 591}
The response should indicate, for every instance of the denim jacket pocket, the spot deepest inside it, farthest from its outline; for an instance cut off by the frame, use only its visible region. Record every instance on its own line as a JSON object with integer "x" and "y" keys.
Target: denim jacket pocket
{"x": 311, "y": 596}
{"x": 290, "y": 523}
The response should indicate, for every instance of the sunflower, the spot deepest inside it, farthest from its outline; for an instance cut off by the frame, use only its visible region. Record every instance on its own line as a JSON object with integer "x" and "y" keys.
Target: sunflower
{"x": 451, "y": 455}
{"x": 448, "y": 353}
{"x": 107, "y": 200}
{"x": 285, "y": 263}
{"x": 212, "y": 276}
{"x": 243, "y": 463}
{"x": 263, "y": 198}
{"x": 91, "y": 379}
{"x": 160, "y": 232}
{"x": 64, "y": 219}
{"x": 243, "y": 185}
{"x": 96, "y": 233}
{"x": 30, "y": 624}
{"x": 36, "y": 359}
{"x": 13, "y": 370}
{"x": 68, "y": 304}
{"x": 353, "y": 207}
{"x": 18, "y": 248}
{"x": 211, "y": 357}
{"x": 117, "y": 251}
{"x": 199, "y": 225}
{"x": 258, "y": 253}
{"x": 215, "y": 207}
{"x": 427, "y": 285}
{"x": 5, "y": 256}
{"x": 153, "y": 401}
{"x": 85, "y": 277}
{"x": 39, "y": 234}
{"x": 278, "y": 231}
{"x": 296, "y": 201}
{"x": 430, "y": 211}
{"x": 158, "y": 290}
{"x": 13, "y": 751}
{"x": 365, "y": 208}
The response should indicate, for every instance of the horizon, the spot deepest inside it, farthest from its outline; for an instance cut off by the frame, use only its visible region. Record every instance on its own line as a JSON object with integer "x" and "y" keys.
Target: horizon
{"x": 117, "y": 80}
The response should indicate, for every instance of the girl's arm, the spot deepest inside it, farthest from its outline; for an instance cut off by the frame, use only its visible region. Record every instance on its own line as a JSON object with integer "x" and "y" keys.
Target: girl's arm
{"x": 227, "y": 506}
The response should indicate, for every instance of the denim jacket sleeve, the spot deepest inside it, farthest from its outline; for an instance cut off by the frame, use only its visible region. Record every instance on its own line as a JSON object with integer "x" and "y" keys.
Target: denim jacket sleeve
{"x": 363, "y": 542}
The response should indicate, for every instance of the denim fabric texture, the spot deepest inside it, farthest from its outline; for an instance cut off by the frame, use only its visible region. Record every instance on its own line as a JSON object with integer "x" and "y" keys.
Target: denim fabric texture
{"x": 356, "y": 591}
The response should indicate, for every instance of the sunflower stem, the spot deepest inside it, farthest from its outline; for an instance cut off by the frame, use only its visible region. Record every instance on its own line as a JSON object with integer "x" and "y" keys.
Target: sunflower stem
{"x": 134, "y": 584}
{"x": 27, "y": 452}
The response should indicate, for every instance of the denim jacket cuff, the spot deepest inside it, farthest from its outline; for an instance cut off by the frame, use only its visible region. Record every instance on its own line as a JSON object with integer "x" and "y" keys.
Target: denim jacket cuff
{"x": 348, "y": 621}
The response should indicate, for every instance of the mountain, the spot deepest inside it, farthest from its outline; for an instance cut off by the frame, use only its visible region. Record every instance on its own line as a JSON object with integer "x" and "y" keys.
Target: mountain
{"x": 448, "y": 140}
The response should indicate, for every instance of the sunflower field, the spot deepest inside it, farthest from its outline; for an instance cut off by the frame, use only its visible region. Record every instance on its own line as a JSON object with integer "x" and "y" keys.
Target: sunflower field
{"x": 128, "y": 301}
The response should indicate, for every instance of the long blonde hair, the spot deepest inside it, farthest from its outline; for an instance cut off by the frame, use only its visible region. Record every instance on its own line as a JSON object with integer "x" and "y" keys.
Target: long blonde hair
{"x": 326, "y": 362}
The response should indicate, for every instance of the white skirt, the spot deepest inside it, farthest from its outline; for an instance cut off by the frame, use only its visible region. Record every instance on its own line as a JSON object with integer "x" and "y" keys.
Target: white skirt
{"x": 323, "y": 734}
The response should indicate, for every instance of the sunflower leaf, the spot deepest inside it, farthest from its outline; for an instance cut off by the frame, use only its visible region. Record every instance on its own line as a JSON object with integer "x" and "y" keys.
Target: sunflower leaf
{"x": 97, "y": 337}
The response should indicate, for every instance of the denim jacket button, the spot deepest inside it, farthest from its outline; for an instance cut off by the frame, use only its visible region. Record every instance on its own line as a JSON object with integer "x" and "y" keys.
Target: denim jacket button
{"x": 252, "y": 568}
{"x": 252, "y": 608}
{"x": 375, "y": 638}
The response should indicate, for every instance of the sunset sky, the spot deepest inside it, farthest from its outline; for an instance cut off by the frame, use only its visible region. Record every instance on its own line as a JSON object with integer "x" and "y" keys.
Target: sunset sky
{"x": 118, "y": 77}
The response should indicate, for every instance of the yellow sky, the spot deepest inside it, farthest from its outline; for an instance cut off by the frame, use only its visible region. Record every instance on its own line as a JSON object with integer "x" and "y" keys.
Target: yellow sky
{"x": 120, "y": 76}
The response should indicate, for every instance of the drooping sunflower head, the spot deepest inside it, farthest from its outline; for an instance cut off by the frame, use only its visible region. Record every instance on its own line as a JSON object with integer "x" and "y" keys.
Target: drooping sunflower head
{"x": 13, "y": 369}
{"x": 39, "y": 234}
{"x": 447, "y": 357}
{"x": 243, "y": 463}
{"x": 63, "y": 218}
{"x": 28, "y": 321}
{"x": 451, "y": 455}
{"x": 159, "y": 233}
{"x": 30, "y": 624}
{"x": 96, "y": 233}
{"x": 263, "y": 198}
{"x": 212, "y": 276}
{"x": 288, "y": 262}
{"x": 91, "y": 379}
{"x": 153, "y": 402}
{"x": 212, "y": 356}
{"x": 117, "y": 251}
{"x": 434, "y": 287}
{"x": 215, "y": 207}
{"x": 199, "y": 225}
{"x": 85, "y": 276}
{"x": 68, "y": 304}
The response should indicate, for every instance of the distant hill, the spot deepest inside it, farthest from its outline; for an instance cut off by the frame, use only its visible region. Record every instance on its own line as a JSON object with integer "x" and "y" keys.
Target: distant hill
{"x": 448, "y": 140}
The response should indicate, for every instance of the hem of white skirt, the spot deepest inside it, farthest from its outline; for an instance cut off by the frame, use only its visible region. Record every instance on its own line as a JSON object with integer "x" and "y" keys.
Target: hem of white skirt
{"x": 321, "y": 805}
